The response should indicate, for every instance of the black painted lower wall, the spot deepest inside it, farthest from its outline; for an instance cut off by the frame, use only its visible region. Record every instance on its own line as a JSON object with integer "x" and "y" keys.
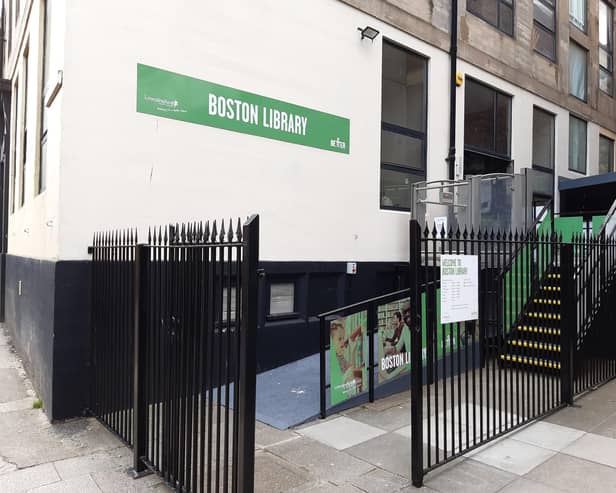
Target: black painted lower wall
{"x": 50, "y": 326}
{"x": 50, "y": 320}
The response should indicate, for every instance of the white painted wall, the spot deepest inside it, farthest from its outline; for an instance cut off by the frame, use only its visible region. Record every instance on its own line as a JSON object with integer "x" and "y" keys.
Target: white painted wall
{"x": 34, "y": 228}
{"x": 121, "y": 168}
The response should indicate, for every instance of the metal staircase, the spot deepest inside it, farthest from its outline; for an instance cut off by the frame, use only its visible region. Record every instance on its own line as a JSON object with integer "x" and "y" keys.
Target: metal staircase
{"x": 534, "y": 341}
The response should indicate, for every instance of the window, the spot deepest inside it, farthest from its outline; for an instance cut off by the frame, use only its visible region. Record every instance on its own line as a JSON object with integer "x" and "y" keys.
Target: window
{"x": 487, "y": 119}
{"x": 229, "y": 305}
{"x": 606, "y": 44}
{"x": 403, "y": 125}
{"x": 282, "y": 298}
{"x": 544, "y": 28}
{"x": 577, "y": 13}
{"x": 606, "y": 154}
{"x": 24, "y": 131}
{"x": 577, "y": 71}
{"x": 543, "y": 139}
{"x": 42, "y": 165}
{"x": 577, "y": 145}
{"x": 499, "y": 13}
{"x": 14, "y": 151}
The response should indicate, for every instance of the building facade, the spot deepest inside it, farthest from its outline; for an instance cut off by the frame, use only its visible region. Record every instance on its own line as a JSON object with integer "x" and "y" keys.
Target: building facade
{"x": 89, "y": 145}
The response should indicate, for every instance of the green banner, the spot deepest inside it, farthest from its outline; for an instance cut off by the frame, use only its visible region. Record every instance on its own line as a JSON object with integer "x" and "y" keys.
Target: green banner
{"x": 179, "y": 97}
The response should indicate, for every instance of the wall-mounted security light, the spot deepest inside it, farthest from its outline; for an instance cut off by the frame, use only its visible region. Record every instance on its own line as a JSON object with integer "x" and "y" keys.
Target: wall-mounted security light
{"x": 368, "y": 32}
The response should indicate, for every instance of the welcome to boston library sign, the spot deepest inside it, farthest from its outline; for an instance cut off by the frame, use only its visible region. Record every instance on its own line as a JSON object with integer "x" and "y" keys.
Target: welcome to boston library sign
{"x": 179, "y": 97}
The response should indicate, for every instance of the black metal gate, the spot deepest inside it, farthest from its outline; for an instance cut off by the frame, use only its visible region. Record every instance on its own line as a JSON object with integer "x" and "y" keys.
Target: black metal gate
{"x": 545, "y": 332}
{"x": 173, "y": 350}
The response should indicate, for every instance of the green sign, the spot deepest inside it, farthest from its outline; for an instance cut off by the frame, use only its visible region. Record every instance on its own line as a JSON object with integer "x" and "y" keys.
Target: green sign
{"x": 179, "y": 97}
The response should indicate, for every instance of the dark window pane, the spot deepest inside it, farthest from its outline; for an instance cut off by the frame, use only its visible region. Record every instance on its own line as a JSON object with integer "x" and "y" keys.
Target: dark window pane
{"x": 543, "y": 139}
{"x": 606, "y": 155}
{"x": 404, "y": 88}
{"x": 503, "y": 119}
{"x": 606, "y": 82}
{"x": 396, "y": 188}
{"x": 401, "y": 150}
{"x": 544, "y": 14}
{"x": 545, "y": 41}
{"x": 480, "y": 164}
{"x": 479, "y": 116}
{"x": 487, "y": 9}
{"x": 487, "y": 119}
{"x": 577, "y": 144}
{"x": 505, "y": 22}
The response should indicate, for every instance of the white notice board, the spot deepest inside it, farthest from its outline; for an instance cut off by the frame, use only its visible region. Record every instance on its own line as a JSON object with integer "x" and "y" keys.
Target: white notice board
{"x": 459, "y": 288}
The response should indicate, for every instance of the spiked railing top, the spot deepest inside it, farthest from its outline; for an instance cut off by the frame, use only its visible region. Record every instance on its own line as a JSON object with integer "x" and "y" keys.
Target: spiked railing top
{"x": 193, "y": 233}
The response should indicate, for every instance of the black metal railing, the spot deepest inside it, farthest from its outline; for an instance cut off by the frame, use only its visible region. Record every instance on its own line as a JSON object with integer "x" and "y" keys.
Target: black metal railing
{"x": 174, "y": 341}
{"x": 485, "y": 377}
{"x": 591, "y": 302}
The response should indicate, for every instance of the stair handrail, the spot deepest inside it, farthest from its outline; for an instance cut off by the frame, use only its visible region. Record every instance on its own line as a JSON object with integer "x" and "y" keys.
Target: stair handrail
{"x": 539, "y": 219}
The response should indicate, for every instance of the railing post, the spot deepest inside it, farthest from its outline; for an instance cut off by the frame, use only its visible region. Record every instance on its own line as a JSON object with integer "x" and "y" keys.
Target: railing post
{"x": 416, "y": 360}
{"x": 322, "y": 383}
{"x": 142, "y": 253}
{"x": 568, "y": 322}
{"x": 248, "y": 361}
{"x": 372, "y": 322}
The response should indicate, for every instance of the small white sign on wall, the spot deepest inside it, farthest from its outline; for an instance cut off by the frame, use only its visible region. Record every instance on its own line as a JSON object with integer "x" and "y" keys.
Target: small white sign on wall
{"x": 459, "y": 288}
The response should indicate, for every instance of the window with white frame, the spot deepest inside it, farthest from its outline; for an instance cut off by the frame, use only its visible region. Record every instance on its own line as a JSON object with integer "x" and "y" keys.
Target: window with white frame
{"x": 403, "y": 125}
{"x": 606, "y": 45}
{"x": 543, "y": 139}
{"x": 577, "y": 144}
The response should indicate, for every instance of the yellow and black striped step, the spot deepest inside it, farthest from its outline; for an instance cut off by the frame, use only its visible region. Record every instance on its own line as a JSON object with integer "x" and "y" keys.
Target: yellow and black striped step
{"x": 539, "y": 330}
{"x": 553, "y": 276}
{"x": 548, "y": 316}
{"x": 548, "y": 301}
{"x": 525, "y": 360}
{"x": 550, "y": 288}
{"x": 542, "y": 346}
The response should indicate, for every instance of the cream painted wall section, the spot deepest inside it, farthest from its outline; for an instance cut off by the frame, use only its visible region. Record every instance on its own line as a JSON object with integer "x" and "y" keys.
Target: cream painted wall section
{"x": 121, "y": 168}
{"x": 33, "y": 227}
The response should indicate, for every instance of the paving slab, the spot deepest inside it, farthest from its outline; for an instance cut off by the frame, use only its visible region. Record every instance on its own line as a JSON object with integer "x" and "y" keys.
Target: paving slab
{"x": 332, "y": 488}
{"x": 391, "y": 452}
{"x": 596, "y": 448}
{"x": 8, "y": 358}
{"x": 389, "y": 419}
{"x": 87, "y": 464}
{"x": 273, "y": 474}
{"x": 378, "y": 481}
{"x": 80, "y": 484}
{"x": 266, "y": 436}
{"x": 528, "y": 486}
{"x": 341, "y": 433}
{"x": 580, "y": 417}
{"x": 514, "y": 456}
{"x": 567, "y": 473}
{"x": 17, "y": 405}
{"x": 469, "y": 476}
{"x": 548, "y": 435}
{"x": 12, "y": 385}
{"x": 119, "y": 481}
{"x": 321, "y": 461}
{"x": 607, "y": 428}
{"x": 28, "y": 479}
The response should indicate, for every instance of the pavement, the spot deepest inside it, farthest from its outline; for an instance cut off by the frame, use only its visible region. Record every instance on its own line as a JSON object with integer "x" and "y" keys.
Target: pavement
{"x": 366, "y": 449}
